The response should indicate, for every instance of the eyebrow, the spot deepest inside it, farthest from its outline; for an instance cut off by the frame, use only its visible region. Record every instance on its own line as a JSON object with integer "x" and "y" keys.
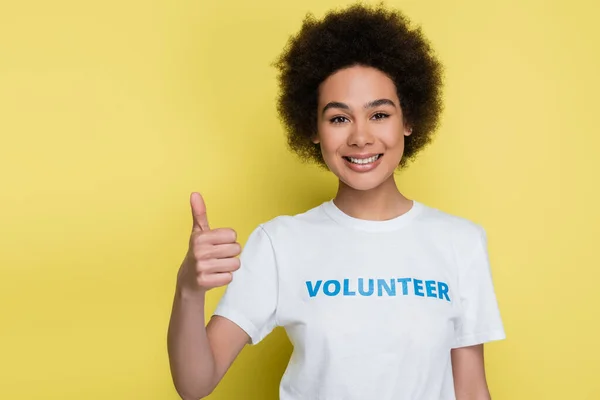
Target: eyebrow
{"x": 370, "y": 104}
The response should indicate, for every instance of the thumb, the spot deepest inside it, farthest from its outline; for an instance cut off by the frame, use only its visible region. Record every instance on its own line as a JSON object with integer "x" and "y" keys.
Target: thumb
{"x": 199, "y": 213}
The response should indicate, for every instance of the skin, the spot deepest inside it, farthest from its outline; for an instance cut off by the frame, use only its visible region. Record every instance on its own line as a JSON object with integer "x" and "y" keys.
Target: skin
{"x": 342, "y": 131}
{"x": 199, "y": 357}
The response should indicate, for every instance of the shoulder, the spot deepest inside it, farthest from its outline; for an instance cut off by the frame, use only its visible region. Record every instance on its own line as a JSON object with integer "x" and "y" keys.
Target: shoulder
{"x": 461, "y": 233}
{"x": 299, "y": 223}
{"x": 447, "y": 221}
{"x": 313, "y": 216}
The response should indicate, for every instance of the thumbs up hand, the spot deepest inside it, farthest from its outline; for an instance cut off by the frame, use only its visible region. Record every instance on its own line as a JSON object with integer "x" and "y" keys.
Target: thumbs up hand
{"x": 212, "y": 254}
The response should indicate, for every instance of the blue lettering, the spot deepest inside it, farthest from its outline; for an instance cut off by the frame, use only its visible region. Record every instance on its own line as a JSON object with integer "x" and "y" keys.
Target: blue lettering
{"x": 430, "y": 288}
{"x": 361, "y": 287}
{"x": 385, "y": 287}
{"x": 404, "y": 282}
{"x": 313, "y": 290}
{"x": 382, "y": 283}
{"x": 336, "y": 288}
{"x": 443, "y": 291}
{"x": 418, "y": 287}
{"x": 347, "y": 291}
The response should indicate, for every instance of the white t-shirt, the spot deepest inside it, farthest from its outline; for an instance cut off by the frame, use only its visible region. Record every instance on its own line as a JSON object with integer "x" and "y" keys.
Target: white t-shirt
{"x": 372, "y": 308}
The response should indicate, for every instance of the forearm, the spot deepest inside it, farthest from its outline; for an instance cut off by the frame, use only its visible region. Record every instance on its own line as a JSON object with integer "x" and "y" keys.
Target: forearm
{"x": 474, "y": 395}
{"x": 468, "y": 369}
{"x": 190, "y": 355}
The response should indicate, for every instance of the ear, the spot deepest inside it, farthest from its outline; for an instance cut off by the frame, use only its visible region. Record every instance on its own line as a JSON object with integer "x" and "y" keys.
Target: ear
{"x": 315, "y": 138}
{"x": 408, "y": 130}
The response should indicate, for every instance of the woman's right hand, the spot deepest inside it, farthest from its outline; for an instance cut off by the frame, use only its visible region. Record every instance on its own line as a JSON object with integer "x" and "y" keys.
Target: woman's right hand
{"x": 212, "y": 254}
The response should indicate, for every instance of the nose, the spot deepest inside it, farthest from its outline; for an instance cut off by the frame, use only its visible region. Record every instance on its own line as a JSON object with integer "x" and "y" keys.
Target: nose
{"x": 360, "y": 136}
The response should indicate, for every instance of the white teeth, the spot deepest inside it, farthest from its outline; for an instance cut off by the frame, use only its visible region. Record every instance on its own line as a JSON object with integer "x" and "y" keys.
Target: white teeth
{"x": 363, "y": 160}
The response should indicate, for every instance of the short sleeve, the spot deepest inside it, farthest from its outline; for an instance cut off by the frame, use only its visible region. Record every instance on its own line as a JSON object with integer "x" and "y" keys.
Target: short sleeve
{"x": 250, "y": 300}
{"x": 480, "y": 319}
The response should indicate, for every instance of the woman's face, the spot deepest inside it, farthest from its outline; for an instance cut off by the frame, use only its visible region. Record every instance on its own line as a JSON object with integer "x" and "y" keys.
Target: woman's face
{"x": 360, "y": 126}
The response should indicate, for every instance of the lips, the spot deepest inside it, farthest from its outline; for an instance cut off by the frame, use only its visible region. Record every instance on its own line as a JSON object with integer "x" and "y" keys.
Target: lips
{"x": 363, "y": 162}
{"x": 360, "y": 160}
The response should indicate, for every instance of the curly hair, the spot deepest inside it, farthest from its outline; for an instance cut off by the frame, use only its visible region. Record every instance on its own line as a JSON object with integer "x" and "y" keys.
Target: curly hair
{"x": 358, "y": 35}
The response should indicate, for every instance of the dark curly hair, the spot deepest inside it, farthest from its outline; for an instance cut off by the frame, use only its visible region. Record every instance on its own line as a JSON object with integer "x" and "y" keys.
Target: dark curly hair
{"x": 358, "y": 35}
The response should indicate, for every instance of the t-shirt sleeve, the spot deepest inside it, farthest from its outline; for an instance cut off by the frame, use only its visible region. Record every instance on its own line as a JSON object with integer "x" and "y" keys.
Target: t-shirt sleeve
{"x": 480, "y": 319}
{"x": 250, "y": 300}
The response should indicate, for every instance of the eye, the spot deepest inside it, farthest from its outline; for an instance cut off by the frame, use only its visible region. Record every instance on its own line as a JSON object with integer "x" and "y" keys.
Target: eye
{"x": 380, "y": 115}
{"x": 338, "y": 120}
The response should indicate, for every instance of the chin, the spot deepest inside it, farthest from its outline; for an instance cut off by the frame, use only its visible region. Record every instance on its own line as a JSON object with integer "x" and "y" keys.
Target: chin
{"x": 363, "y": 183}
{"x": 365, "y": 177}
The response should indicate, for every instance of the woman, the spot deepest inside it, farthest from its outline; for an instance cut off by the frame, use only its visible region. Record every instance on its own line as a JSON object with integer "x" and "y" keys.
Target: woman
{"x": 382, "y": 297}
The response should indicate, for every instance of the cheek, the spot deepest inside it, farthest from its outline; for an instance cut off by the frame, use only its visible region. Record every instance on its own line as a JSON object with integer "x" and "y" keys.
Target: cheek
{"x": 392, "y": 138}
{"x": 330, "y": 144}
{"x": 330, "y": 153}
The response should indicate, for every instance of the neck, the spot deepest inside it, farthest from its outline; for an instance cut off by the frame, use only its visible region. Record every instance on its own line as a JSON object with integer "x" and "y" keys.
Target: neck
{"x": 381, "y": 203}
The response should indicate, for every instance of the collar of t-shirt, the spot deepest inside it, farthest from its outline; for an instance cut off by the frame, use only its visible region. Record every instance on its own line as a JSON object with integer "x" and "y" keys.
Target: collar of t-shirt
{"x": 369, "y": 225}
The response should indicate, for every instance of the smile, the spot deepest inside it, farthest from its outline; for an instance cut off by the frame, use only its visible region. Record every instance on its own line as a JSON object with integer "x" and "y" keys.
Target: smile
{"x": 362, "y": 161}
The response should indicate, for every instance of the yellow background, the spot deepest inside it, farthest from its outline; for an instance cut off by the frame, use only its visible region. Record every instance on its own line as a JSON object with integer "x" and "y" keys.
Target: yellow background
{"x": 112, "y": 112}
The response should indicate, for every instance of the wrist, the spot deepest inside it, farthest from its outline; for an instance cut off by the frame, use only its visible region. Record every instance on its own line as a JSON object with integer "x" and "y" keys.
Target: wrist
{"x": 184, "y": 291}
